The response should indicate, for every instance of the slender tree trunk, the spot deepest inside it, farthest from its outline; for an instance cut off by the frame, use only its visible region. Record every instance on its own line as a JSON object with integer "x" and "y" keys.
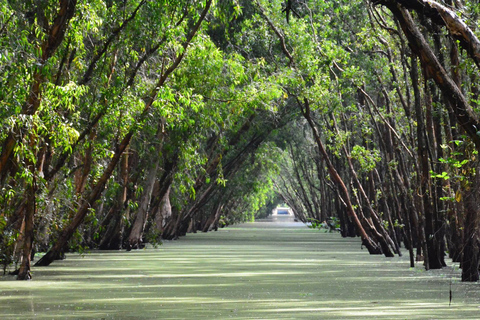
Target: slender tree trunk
{"x": 171, "y": 230}
{"x": 424, "y": 174}
{"x": 471, "y": 255}
{"x": 464, "y": 114}
{"x": 81, "y": 176}
{"x": 213, "y": 218}
{"x": 135, "y": 237}
{"x": 51, "y": 42}
{"x": 113, "y": 237}
{"x": 24, "y": 272}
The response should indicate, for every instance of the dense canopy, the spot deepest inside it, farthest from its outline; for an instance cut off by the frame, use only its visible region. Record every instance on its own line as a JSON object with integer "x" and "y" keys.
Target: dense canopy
{"x": 126, "y": 122}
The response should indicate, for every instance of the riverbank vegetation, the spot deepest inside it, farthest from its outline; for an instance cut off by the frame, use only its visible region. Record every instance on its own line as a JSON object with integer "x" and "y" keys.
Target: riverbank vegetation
{"x": 125, "y": 122}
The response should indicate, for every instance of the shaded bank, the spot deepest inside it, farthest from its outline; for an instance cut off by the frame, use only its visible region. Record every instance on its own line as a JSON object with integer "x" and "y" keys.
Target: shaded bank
{"x": 254, "y": 271}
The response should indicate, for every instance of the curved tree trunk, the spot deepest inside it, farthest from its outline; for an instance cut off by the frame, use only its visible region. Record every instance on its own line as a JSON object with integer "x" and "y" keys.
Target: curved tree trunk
{"x": 213, "y": 218}
{"x": 53, "y": 39}
{"x": 464, "y": 114}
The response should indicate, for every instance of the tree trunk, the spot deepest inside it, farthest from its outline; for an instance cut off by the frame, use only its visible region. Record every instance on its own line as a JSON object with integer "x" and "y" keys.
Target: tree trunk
{"x": 471, "y": 254}
{"x": 464, "y": 114}
{"x": 135, "y": 237}
{"x": 431, "y": 257}
{"x": 164, "y": 213}
{"x": 170, "y": 232}
{"x": 378, "y": 231}
{"x": 213, "y": 218}
{"x": 51, "y": 42}
{"x": 113, "y": 237}
{"x": 24, "y": 272}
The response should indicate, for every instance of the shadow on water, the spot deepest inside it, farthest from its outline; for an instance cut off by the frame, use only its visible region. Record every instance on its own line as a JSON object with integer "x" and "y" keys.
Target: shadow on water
{"x": 270, "y": 269}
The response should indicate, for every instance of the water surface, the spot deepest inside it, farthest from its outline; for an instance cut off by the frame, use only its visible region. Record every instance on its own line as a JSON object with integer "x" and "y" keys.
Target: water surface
{"x": 266, "y": 270}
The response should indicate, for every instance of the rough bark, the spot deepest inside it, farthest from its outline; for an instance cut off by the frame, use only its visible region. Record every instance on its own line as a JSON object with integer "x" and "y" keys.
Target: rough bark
{"x": 443, "y": 16}
{"x": 423, "y": 165}
{"x": 378, "y": 231}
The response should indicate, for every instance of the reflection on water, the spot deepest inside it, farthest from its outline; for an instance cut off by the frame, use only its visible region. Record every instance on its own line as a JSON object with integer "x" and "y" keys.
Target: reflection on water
{"x": 277, "y": 221}
{"x": 272, "y": 269}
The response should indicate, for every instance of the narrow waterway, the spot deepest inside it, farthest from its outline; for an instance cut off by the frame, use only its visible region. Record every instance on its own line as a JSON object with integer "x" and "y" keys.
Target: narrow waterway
{"x": 264, "y": 270}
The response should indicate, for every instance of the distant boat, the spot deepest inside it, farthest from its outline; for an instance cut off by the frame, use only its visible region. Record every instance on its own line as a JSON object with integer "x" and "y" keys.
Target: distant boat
{"x": 282, "y": 211}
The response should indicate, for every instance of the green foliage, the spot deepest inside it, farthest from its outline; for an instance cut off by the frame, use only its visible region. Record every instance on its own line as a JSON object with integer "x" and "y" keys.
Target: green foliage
{"x": 153, "y": 237}
{"x": 332, "y": 224}
{"x": 367, "y": 159}
{"x": 8, "y": 239}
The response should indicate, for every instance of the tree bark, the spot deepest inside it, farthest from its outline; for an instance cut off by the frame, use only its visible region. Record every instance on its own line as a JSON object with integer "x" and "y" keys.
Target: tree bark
{"x": 24, "y": 272}
{"x": 164, "y": 213}
{"x": 471, "y": 255}
{"x": 378, "y": 231}
{"x": 113, "y": 237}
{"x": 135, "y": 237}
{"x": 213, "y": 218}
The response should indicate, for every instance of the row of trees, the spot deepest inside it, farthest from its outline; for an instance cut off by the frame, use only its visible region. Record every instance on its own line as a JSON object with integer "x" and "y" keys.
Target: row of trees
{"x": 121, "y": 121}
{"x": 125, "y": 122}
{"x": 393, "y": 120}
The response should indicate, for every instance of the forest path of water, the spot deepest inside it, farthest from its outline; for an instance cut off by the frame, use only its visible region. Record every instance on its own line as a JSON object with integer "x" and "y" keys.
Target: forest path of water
{"x": 256, "y": 271}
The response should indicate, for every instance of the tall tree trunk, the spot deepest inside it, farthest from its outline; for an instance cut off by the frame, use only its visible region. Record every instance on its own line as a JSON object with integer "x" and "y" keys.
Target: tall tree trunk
{"x": 24, "y": 272}
{"x": 213, "y": 218}
{"x": 135, "y": 237}
{"x": 464, "y": 114}
{"x": 136, "y": 233}
{"x": 378, "y": 231}
{"x": 113, "y": 237}
{"x": 164, "y": 212}
{"x": 424, "y": 174}
{"x": 51, "y": 42}
{"x": 471, "y": 255}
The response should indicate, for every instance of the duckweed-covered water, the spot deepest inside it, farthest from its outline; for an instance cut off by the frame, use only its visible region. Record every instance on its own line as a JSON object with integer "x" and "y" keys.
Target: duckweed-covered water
{"x": 256, "y": 271}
